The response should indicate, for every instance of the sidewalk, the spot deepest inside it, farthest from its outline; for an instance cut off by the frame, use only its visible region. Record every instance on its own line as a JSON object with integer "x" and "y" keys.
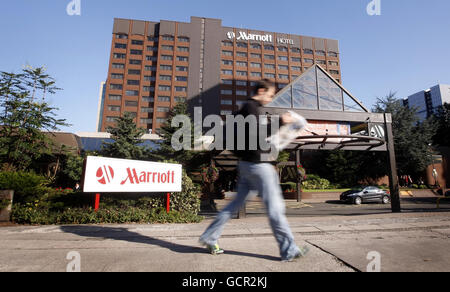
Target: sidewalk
{"x": 405, "y": 242}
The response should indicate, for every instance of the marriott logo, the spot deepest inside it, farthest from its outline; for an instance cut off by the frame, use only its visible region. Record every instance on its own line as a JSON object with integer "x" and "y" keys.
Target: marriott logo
{"x": 134, "y": 177}
{"x": 251, "y": 37}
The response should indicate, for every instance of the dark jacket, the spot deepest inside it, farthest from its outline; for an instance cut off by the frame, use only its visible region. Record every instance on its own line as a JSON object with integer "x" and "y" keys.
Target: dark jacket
{"x": 255, "y": 108}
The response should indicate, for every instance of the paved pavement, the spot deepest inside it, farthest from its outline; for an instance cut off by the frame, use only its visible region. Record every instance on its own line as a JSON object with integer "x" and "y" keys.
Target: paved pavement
{"x": 398, "y": 242}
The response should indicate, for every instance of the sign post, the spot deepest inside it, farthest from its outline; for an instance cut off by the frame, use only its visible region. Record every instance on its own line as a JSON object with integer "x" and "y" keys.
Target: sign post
{"x": 110, "y": 175}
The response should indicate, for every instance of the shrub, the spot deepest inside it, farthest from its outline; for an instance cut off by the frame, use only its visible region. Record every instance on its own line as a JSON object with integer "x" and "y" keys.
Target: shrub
{"x": 27, "y": 186}
{"x": 314, "y": 182}
{"x": 288, "y": 186}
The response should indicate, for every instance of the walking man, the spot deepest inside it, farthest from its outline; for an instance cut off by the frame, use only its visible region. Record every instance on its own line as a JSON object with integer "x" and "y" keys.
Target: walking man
{"x": 257, "y": 173}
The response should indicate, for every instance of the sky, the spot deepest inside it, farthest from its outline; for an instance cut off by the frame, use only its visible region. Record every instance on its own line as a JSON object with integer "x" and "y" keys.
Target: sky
{"x": 403, "y": 50}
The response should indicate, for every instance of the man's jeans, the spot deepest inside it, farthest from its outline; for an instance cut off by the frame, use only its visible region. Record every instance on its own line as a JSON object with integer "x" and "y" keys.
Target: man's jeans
{"x": 263, "y": 178}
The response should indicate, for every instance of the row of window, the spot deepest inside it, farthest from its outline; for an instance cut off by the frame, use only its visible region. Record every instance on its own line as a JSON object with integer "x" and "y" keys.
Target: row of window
{"x": 258, "y": 65}
{"x": 279, "y": 48}
{"x": 142, "y": 120}
{"x": 150, "y": 78}
{"x": 272, "y": 57}
{"x": 152, "y": 49}
{"x": 270, "y": 75}
{"x": 152, "y": 68}
{"x": 147, "y": 89}
{"x": 154, "y": 38}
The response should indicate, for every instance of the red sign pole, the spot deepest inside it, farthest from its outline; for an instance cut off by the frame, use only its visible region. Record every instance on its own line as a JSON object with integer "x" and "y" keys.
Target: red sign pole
{"x": 168, "y": 203}
{"x": 97, "y": 202}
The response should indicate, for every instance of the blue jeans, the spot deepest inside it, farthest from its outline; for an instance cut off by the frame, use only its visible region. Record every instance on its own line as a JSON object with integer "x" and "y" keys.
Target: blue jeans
{"x": 263, "y": 178}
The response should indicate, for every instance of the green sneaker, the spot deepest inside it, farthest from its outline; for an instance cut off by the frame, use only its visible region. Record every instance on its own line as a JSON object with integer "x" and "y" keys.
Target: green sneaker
{"x": 215, "y": 249}
{"x": 302, "y": 252}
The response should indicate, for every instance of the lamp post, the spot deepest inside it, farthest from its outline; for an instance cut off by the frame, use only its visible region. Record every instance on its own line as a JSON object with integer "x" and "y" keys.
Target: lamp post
{"x": 434, "y": 172}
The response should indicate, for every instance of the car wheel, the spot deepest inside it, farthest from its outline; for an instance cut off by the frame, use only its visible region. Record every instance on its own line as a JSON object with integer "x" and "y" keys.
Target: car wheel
{"x": 358, "y": 201}
{"x": 386, "y": 200}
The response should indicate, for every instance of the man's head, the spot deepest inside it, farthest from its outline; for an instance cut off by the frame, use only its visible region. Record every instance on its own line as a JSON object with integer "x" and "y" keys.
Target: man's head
{"x": 264, "y": 91}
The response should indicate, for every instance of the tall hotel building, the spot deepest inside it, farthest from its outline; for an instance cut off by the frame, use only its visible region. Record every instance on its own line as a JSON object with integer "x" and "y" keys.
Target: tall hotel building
{"x": 155, "y": 65}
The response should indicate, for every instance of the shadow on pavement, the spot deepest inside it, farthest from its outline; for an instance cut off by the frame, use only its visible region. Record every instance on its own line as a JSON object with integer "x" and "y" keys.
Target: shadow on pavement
{"x": 124, "y": 234}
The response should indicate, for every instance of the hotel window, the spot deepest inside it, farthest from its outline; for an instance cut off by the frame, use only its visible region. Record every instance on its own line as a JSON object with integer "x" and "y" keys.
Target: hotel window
{"x": 133, "y": 82}
{"x": 133, "y": 114}
{"x": 269, "y": 75}
{"x": 241, "y": 54}
{"x": 241, "y": 83}
{"x": 256, "y": 74}
{"x": 309, "y": 61}
{"x": 255, "y": 65}
{"x": 115, "y": 97}
{"x": 182, "y": 68}
{"x": 182, "y": 59}
{"x": 132, "y": 93}
{"x": 164, "y": 88}
{"x": 283, "y": 76}
{"x": 183, "y": 49}
{"x": 150, "y": 68}
{"x": 166, "y": 67}
{"x": 253, "y": 83}
{"x": 294, "y": 77}
{"x": 136, "y": 42}
{"x": 283, "y": 67}
{"x": 116, "y": 76}
{"x": 115, "y": 86}
{"x": 240, "y": 102}
{"x": 164, "y": 98}
{"x": 180, "y": 89}
{"x": 118, "y": 66}
{"x": 269, "y": 66}
{"x": 255, "y": 56}
{"x": 227, "y": 44}
{"x": 241, "y": 64}
{"x": 227, "y": 72}
{"x": 163, "y": 109}
{"x": 269, "y": 57}
{"x": 120, "y": 46}
{"x": 181, "y": 78}
{"x": 135, "y": 62}
{"x": 136, "y": 52}
{"x": 152, "y": 39}
{"x": 241, "y": 73}
{"x": 149, "y": 78}
{"x": 111, "y": 119}
{"x": 333, "y": 63}
{"x": 146, "y": 121}
{"x": 149, "y": 88}
{"x": 283, "y": 58}
{"x": 334, "y": 72}
{"x": 161, "y": 120}
{"x": 131, "y": 103}
{"x": 121, "y": 36}
{"x": 295, "y": 50}
{"x": 320, "y": 53}
{"x": 241, "y": 45}
{"x": 225, "y": 112}
{"x": 119, "y": 56}
{"x": 166, "y": 57}
{"x": 226, "y": 92}
{"x": 321, "y": 62}
{"x": 269, "y": 48}
{"x": 148, "y": 99}
{"x": 282, "y": 49}
{"x": 180, "y": 99}
{"x": 282, "y": 85}
{"x": 227, "y": 62}
{"x": 134, "y": 72}
{"x": 152, "y": 49}
{"x": 226, "y": 102}
{"x": 227, "y": 81}
{"x": 167, "y": 48}
{"x": 256, "y": 46}
{"x": 332, "y": 54}
{"x": 114, "y": 108}
{"x": 168, "y": 38}
{"x": 183, "y": 39}
{"x": 227, "y": 53}
{"x": 165, "y": 77}
{"x": 151, "y": 58}
{"x": 146, "y": 109}
{"x": 295, "y": 59}
{"x": 308, "y": 51}
{"x": 241, "y": 92}
{"x": 296, "y": 68}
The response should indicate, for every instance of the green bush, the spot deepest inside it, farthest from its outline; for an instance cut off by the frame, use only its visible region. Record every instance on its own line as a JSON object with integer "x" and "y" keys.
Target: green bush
{"x": 288, "y": 186}
{"x": 4, "y": 203}
{"x": 314, "y": 182}
{"x": 27, "y": 186}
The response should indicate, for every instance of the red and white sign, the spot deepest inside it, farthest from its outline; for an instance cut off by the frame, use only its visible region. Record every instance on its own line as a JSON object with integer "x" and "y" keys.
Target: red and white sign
{"x": 110, "y": 175}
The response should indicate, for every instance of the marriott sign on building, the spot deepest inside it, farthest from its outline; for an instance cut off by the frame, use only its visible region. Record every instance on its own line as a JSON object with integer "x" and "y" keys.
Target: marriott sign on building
{"x": 110, "y": 175}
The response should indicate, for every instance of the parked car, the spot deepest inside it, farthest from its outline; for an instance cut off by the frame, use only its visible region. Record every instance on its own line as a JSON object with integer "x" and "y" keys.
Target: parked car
{"x": 365, "y": 194}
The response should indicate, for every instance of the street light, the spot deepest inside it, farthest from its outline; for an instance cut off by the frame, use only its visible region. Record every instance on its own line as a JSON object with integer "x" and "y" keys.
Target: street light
{"x": 434, "y": 173}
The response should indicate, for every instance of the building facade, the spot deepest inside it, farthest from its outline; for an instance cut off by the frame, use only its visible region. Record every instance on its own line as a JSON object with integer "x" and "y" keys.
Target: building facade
{"x": 428, "y": 101}
{"x": 155, "y": 65}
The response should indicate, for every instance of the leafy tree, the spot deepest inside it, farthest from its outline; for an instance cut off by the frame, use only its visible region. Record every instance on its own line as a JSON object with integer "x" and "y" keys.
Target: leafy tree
{"x": 24, "y": 115}
{"x": 442, "y": 119}
{"x": 127, "y": 137}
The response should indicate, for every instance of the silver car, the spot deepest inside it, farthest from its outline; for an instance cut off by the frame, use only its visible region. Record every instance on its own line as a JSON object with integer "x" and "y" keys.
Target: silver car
{"x": 365, "y": 194}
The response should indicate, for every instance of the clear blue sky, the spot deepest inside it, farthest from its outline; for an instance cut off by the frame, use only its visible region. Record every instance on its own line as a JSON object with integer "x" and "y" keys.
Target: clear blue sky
{"x": 406, "y": 49}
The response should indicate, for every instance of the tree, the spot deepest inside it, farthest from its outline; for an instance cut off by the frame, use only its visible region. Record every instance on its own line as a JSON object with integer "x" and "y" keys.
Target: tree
{"x": 127, "y": 137}
{"x": 442, "y": 119}
{"x": 411, "y": 138}
{"x": 24, "y": 116}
